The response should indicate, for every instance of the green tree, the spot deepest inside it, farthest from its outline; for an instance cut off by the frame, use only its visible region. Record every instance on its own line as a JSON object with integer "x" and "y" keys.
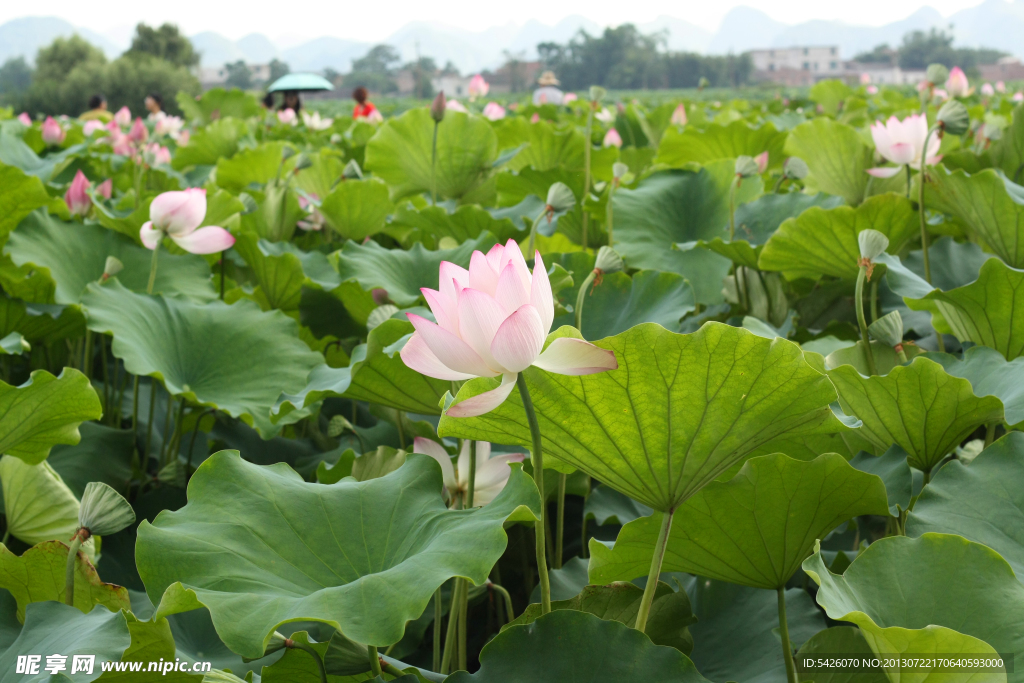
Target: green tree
{"x": 128, "y": 79}
{"x": 166, "y": 43}
{"x": 55, "y": 62}
{"x": 422, "y": 71}
{"x": 278, "y": 69}
{"x": 376, "y": 69}
{"x": 239, "y": 75}
{"x": 919, "y": 49}
{"x": 15, "y": 79}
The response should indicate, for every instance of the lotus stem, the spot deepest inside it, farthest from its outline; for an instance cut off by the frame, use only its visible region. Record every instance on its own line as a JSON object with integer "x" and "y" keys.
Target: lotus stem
{"x": 87, "y": 356}
{"x": 787, "y": 648}
{"x": 874, "y": 301}
{"x": 312, "y": 653}
{"x": 920, "y": 209}
{"x": 652, "y": 576}
{"x": 609, "y": 213}
{"x": 433, "y": 167}
{"x": 909, "y": 176}
{"x": 463, "y": 622}
{"x": 152, "y": 269}
{"x": 990, "y": 434}
{"x": 533, "y": 231}
{"x": 901, "y": 353}
{"x": 537, "y": 459}
{"x": 778, "y": 184}
{"x": 135, "y": 404}
{"x": 579, "y": 299}
{"x": 391, "y": 669}
{"x": 560, "y": 522}
{"x": 732, "y": 208}
{"x": 401, "y": 433}
{"x": 510, "y": 612}
{"x": 449, "y": 637}
{"x": 371, "y": 650}
{"x": 437, "y": 629}
{"x": 149, "y": 425}
{"x": 165, "y": 436}
{"x": 69, "y": 574}
{"x": 589, "y": 131}
{"x": 222, "y": 259}
{"x": 859, "y": 296}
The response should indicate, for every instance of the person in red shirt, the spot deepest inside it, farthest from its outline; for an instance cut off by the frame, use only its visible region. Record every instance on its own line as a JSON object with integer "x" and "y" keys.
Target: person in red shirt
{"x": 363, "y": 109}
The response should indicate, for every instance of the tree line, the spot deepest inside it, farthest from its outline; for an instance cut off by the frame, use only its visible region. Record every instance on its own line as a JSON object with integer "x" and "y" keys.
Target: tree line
{"x": 920, "y": 48}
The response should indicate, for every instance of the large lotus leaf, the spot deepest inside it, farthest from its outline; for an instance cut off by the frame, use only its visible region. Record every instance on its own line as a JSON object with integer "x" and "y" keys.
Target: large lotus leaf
{"x": 890, "y": 591}
{"x": 894, "y": 470}
{"x": 824, "y": 241}
{"x": 400, "y": 153}
{"x": 258, "y": 546}
{"x": 152, "y": 641}
{"x": 431, "y": 223}
{"x": 22, "y": 195}
{"x": 235, "y": 358}
{"x": 734, "y": 619}
{"x": 40, "y": 322}
{"x": 55, "y": 628}
{"x": 38, "y": 505}
{"x": 982, "y": 501}
{"x": 983, "y": 203}
{"x": 401, "y": 273}
{"x": 1008, "y": 153}
{"x": 754, "y": 529}
{"x": 566, "y": 646}
{"x": 838, "y": 640}
{"x": 719, "y": 142}
{"x": 73, "y": 256}
{"x": 45, "y": 411}
{"x": 605, "y": 505}
{"x": 756, "y": 221}
{"x": 253, "y": 166}
{"x": 14, "y": 152}
{"x": 124, "y": 217}
{"x": 356, "y": 209}
{"x": 218, "y": 103}
{"x": 836, "y": 156}
{"x": 38, "y": 575}
{"x": 281, "y": 270}
{"x": 210, "y": 143}
{"x": 543, "y": 146}
{"x": 989, "y": 375}
{"x": 920, "y": 406}
{"x": 983, "y": 311}
{"x": 678, "y": 411}
{"x": 678, "y": 207}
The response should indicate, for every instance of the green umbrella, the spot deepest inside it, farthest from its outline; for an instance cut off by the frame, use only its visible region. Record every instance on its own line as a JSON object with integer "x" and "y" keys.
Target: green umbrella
{"x": 300, "y": 82}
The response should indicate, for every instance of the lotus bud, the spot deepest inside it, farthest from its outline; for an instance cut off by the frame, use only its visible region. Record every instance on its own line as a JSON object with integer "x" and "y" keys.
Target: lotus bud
{"x": 103, "y": 510}
{"x": 106, "y": 188}
{"x": 954, "y": 118}
{"x": 123, "y": 117}
{"x": 77, "y": 198}
{"x": 560, "y": 198}
{"x": 25, "y": 119}
{"x": 746, "y": 167}
{"x": 380, "y": 296}
{"x": 888, "y": 329}
{"x": 795, "y": 168}
{"x": 138, "y": 133}
{"x": 52, "y": 133}
{"x": 352, "y": 171}
{"x": 612, "y": 138}
{"x": 937, "y": 73}
{"x": 437, "y": 107}
{"x": 957, "y": 83}
{"x": 608, "y": 260}
{"x": 597, "y": 93}
{"x": 872, "y": 243}
{"x": 762, "y": 162}
{"x": 679, "y": 115}
{"x": 112, "y": 267}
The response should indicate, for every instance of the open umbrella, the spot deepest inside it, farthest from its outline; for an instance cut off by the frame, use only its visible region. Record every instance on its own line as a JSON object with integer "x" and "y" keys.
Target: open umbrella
{"x": 300, "y": 83}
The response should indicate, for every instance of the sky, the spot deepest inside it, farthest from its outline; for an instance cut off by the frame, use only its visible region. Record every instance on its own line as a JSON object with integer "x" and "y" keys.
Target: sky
{"x": 375, "y": 21}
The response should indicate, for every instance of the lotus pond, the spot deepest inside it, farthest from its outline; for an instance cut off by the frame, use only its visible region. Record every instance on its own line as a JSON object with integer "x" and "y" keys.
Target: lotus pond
{"x": 605, "y": 391}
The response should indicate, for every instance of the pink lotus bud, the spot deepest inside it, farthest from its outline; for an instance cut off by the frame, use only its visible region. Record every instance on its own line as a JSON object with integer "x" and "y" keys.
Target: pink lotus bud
{"x": 612, "y": 138}
{"x": 160, "y": 155}
{"x": 455, "y": 105}
{"x": 183, "y": 138}
{"x": 478, "y": 87}
{"x": 679, "y": 115}
{"x": 53, "y": 134}
{"x": 1000, "y": 86}
{"x": 569, "y": 97}
{"x": 437, "y": 107}
{"x": 179, "y": 215}
{"x": 957, "y": 85}
{"x": 535, "y": 118}
{"x": 987, "y": 90}
{"x": 91, "y": 127}
{"x": 76, "y": 197}
{"x": 168, "y": 125}
{"x": 138, "y": 133}
{"x": 122, "y": 145}
{"x": 865, "y": 79}
{"x": 106, "y": 188}
{"x": 25, "y": 118}
{"x": 123, "y": 117}
{"x": 762, "y": 162}
{"x": 494, "y": 111}
{"x": 373, "y": 117}
{"x": 380, "y": 296}
{"x": 872, "y": 89}
{"x": 288, "y": 117}
{"x": 923, "y": 85}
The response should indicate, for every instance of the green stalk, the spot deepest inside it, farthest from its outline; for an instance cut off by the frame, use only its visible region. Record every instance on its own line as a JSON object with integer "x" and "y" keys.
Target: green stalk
{"x": 920, "y": 209}
{"x": 586, "y": 170}
{"x": 732, "y": 208}
{"x": 392, "y": 670}
{"x": 165, "y": 439}
{"x": 401, "y": 434}
{"x": 449, "y": 637}
{"x": 87, "y": 356}
{"x": 315, "y": 655}
{"x": 472, "y": 474}
{"x": 609, "y": 213}
{"x": 909, "y": 175}
{"x": 859, "y": 295}
{"x": 560, "y": 522}
{"x": 463, "y": 619}
{"x": 107, "y": 388}
{"x": 533, "y": 231}
{"x": 371, "y": 650}
{"x": 579, "y": 298}
{"x": 149, "y": 425}
{"x": 537, "y": 458}
{"x": 135, "y": 404}
{"x": 787, "y": 649}
{"x": 437, "y": 629}
{"x": 652, "y": 576}
{"x": 990, "y": 434}
{"x": 69, "y": 573}
{"x": 152, "y": 270}
{"x": 778, "y": 184}
{"x": 433, "y": 167}
{"x": 584, "y": 550}
{"x": 901, "y": 353}
{"x": 874, "y": 301}
{"x": 511, "y": 614}
{"x": 176, "y": 436}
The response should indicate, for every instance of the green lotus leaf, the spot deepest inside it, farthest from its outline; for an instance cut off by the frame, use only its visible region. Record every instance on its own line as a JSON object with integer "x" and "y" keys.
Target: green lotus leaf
{"x": 14, "y": 152}
{"x": 836, "y": 155}
{"x": 73, "y": 256}
{"x": 757, "y": 221}
{"x": 356, "y": 209}
{"x": 884, "y": 355}
{"x": 620, "y": 302}
{"x": 541, "y": 145}
{"x": 210, "y": 143}
{"x": 730, "y": 616}
{"x": 400, "y": 153}
{"x": 55, "y": 628}
{"x": 824, "y": 241}
{"x": 431, "y": 223}
{"x": 601, "y": 652}
{"x": 605, "y": 505}
{"x": 218, "y": 103}
{"x": 894, "y": 471}
{"x": 235, "y": 358}
{"x": 626, "y": 429}
{"x": 716, "y": 142}
{"x": 104, "y": 454}
{"x": 401, "y": 273}
{"x": 258, "y": 547}
{"x": 981, "y": 312}
{"x": 680, "y": 206}
{"x": 152, "y": 641}
{"x": 889, "y": 592}
{"x": 277, "y": 211}
{"x": 921, "y": 407}
{"x": 982, "y": 202}
{"x": 754, "y": 530}
{"x": 1008, "y": 153}
{"x": 38, "y": 504}
{"x": 989, "y": 375}
{"x": 22, "y": 195}
{"x": 281, "y": 270}
{"x": 127, "y": 220}
{"x": 256, "y": 165}
{"x": 981, "y": 502}
{"x": 44, "y": 323}
{"x": 669, "y": 616}
{"x": 839, "y": 640}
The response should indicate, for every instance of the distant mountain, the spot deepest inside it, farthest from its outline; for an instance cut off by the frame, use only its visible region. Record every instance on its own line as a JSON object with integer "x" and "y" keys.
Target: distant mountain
{"x": 215, "y": 50}
{"x": 993, "y": 23}
{"x": 682, "y": 35}
{"x": 257, "y": 48}
{"x": 745, "y": 28}
{"x": 856, "y": 39}
{"x": 23, "y": 37}
{"x": 322, "y": 53}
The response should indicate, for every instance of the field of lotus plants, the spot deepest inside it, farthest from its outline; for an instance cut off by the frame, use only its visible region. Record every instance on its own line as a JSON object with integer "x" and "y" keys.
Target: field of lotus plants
{"x": 495, "y": 392}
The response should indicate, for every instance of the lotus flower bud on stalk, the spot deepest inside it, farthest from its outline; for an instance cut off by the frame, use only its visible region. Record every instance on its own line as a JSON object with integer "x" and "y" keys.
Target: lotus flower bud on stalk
{"x": 52, "y": 132}
{"x": 612, "y": 138}
{"x": 608, "y": 261}
{"x": 494, "y": 111}
{"x": 123, "y": 117}
{"x": 25, "y": 119}
{"x": 872, "y": 89}
{"x": 1000, "y": 87}
{"x": 138, "y": 132}
{"x": 77, "y": 197}
{"x": 106, "y": 188}
{"x": 91, "y": 127}
{"x": 871, "y": 243}
{"x": 987, "y": 90}
{"x": 287, "y": 117}
{"x": 569, "y": 97}
{"x": 957, "y": 83}
{"x": 478, "y": 87}
{"x": 111, "y": 267}
{"x": 889, "y": 330}
{"x": 679, "y": 115}
{"x": 437, "y": 107}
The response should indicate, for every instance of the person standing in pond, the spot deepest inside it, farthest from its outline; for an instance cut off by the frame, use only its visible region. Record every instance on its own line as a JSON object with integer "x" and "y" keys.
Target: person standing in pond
{"x": 548, "y": 93}
{"x": 97, "y": 110}
{"x": 155, "y": 106}
{"x": 291, "y": 101}
{"x": 364, "y": 109}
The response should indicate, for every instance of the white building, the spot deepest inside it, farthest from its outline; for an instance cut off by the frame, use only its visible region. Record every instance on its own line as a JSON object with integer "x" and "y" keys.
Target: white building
{"x": 453, "y": 85}
{"x": 884, "y": 74}
{"x": 216, "y": 76}
{"x": 819, "y": 62}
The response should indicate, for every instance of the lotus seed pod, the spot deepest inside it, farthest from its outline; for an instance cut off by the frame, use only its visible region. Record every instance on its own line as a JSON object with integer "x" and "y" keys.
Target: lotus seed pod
{"x": 103, "y": 510}
{"x": 560, "y": 197}
{"x": 888, "y": 329}
{"x": 352, "y": 170}
{"x": 112, "y": 267}
{"x": 608, "y": 260}
{"x": 597, "y": 93}
{"x": 746, "y": 167}
{"x": 937, "y": 73}
{"x": 619, "y": 170}
{"x": 872, "y": 243}
{"x": 954, "y": 117}
{"x": 795, "y": 168}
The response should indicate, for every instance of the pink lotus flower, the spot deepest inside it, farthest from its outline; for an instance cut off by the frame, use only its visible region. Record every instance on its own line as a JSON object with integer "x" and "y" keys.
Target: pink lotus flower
{"x": 374, "y": 117}
{"x": 123, "y": 117}
{"x": 478, "y": 87}
{"x": 957, "y": 84}
{"x": 138, "y": 132}
{"x": 177, "y": 215}
{"x": 612, "y": 138}
{"x": 122, "y": 145}
{"x": 679, "y": 115}
{"x": 902, "y": 143}
{"x": 494, "y": 111}
{"x": 53, "y": 134}
{"x": 25, "y": 119}
{"x": 865, "y": 78}
{"x": 940, "y": 93}
{"x": 91, "y": 127}
{"x": 872, "y": 89}
{"x": 158, "y": 155}
{"x": 491, "y": 473}
{"x": 288, "y": 117}
{"x": 106, "y": 188}
{"x": 169, "y": 125}
{"x": 762, "y": 161}
{"x": 1000, "y": 86}
{"x": 455, "y": 105}
{"x": 535, "y": 118}
{"x": 569, "y": 97}
{"x": 113, "y": 127}
{"x": 316, "y": 219}
{"x": 493, "y": 320}
{"x": 605, "y": 115}
{"x": 987, "y": 90}
{"x": 77, "y": 198}
{"x": 1018, "y": 96}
